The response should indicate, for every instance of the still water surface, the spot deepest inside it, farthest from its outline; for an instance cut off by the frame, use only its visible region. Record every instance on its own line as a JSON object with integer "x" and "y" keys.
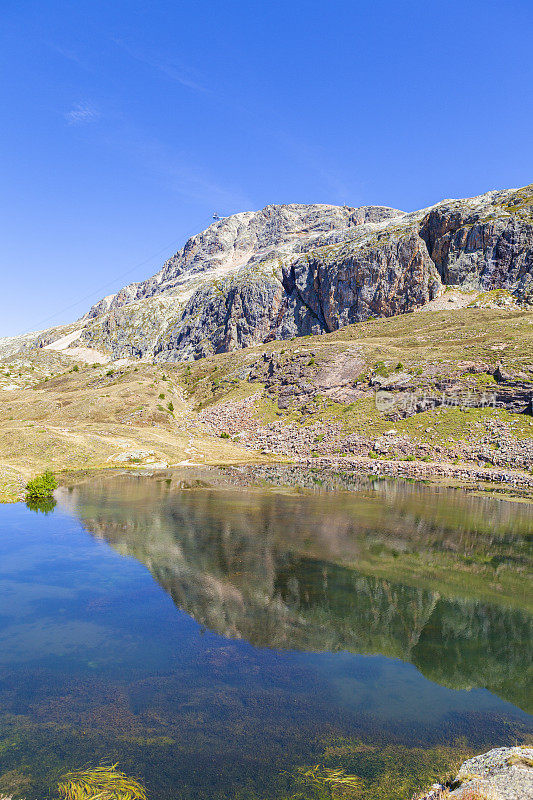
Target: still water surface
{"x": 210, "y": 636}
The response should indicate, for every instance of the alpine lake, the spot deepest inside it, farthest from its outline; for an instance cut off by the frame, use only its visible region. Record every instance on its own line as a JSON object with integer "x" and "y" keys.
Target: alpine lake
{"x": 218, "y": 631}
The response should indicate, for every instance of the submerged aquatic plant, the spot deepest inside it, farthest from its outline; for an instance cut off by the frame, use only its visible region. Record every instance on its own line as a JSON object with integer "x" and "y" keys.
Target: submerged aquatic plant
{"x": 397, "y": 772}
{"x": 327, "y": 784}
{"x": 100, "y": 783}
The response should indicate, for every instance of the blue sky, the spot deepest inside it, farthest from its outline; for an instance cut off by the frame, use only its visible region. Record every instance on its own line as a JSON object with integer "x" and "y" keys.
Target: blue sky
{"x": 126, "y": 124}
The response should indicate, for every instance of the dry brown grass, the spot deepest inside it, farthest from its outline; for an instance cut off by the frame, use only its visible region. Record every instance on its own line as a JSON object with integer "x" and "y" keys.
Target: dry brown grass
{"x": 82, "y": 420}
{"x": 520, "y": 761}
{"x": 439, "y": 794}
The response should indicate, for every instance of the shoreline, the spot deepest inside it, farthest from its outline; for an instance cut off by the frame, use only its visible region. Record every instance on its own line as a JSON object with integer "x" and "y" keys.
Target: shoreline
{"x": 434, "y": 471}
{"x": 500, "y": 483}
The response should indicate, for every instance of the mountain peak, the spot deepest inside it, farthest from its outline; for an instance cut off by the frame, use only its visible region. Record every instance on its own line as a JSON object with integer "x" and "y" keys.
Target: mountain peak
{"x": 231, "y": 243}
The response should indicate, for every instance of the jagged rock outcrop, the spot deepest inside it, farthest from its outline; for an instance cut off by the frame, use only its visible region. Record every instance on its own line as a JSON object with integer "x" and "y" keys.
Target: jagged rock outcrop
{"x": 293, "y": 270}
{"x": 505, "y": 773}
{"x": 224, "y": 289}
{"x": 486, "y": 244}
{"x": 132, "y": 330}
{"x": 242, "y": 312}
{"x": 296, "y": 379}
{"x": 387, "y": 275}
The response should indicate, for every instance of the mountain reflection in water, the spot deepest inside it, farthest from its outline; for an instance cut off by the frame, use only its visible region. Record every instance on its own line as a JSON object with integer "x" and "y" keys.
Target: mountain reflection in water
{"x": 436, "y": 578}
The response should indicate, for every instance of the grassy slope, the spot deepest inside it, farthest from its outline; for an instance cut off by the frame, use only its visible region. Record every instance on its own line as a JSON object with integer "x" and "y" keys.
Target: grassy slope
{"x": 433, "y": 344}
{"x": 81, "y": 419}
{"x": 416, "y": 340}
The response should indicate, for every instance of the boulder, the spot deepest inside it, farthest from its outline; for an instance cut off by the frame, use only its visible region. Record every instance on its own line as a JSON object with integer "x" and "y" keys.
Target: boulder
{"x": 505, "y": 773}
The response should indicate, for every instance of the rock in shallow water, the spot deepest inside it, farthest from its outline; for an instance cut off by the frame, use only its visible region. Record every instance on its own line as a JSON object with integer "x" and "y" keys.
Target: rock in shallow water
{"x": 505, "y": 773}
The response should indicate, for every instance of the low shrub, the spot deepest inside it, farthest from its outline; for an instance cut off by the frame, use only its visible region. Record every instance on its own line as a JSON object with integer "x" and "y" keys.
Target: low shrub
{"x": 41, "y": 486}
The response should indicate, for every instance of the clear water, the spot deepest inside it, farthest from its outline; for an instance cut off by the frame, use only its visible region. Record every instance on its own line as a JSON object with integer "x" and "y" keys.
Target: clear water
{"x": 211, "y": 637}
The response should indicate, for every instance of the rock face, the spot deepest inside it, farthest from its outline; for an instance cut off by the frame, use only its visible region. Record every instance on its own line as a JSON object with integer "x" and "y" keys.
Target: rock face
{"x": 381, "y": 277}
{"x": 243, "y": 239}
{"x": 505, "y": 773}
{"x": 293, "y": 270}
{"x": 488, "y": 245}
{"x": 245, "y": 311}
{"x": 223, "y": 290}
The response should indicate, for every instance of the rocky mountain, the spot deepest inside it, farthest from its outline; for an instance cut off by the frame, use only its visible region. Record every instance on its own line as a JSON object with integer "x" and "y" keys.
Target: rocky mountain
{"x": 224, "y": 289}
{"x": 244, "y": 239}
{"x": 293, "y": 270}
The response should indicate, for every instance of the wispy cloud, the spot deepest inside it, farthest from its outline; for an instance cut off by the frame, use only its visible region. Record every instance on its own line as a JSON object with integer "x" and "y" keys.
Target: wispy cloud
{"x": 81, "y": 114}
{"x": 185, "y": 177}
{"x": 65, "y": 52}
{"x": 174, "y": 72}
